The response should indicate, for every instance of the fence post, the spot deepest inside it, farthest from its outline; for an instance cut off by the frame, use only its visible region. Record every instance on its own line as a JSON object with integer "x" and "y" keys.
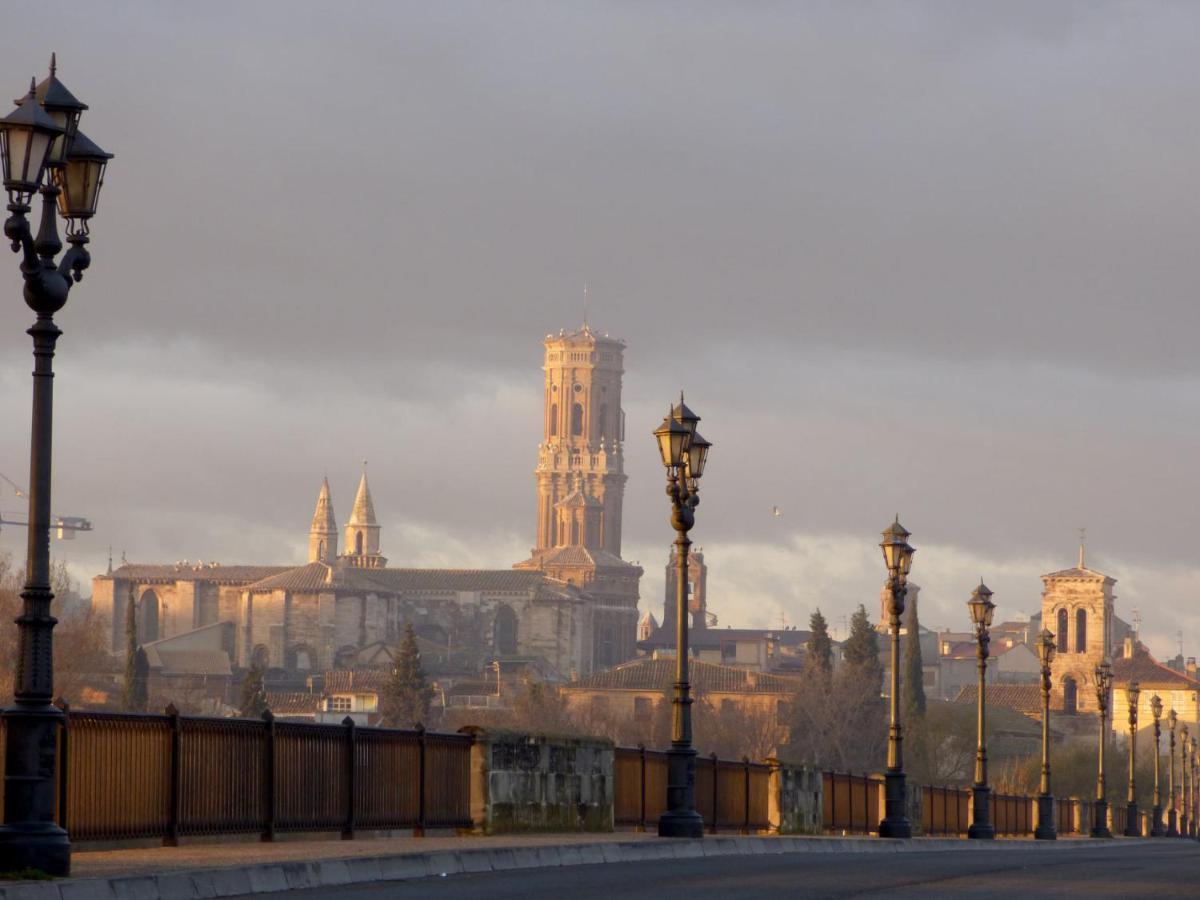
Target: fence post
{"x": 268, "y": 833}
{"x": 642, "y": 786}
{"x": 419, "y": 830}
{"x": 715, "y": 808}
{"x": 63, "y": 759}
{"x": 351, "y": 751}
{"x": 746, "y": 795}
{"x": 171, "y": 838}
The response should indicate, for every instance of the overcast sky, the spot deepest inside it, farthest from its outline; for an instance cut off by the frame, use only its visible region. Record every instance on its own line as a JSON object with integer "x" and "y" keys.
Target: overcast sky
{"x": 934, "y": 258}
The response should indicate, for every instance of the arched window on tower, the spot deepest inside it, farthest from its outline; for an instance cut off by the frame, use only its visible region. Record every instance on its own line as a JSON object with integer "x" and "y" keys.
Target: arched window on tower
{"x": 358, "y": 543}
{"x": 553, "y": 420}
{"x": 576, "y": 419}
{"x": 603, "y": 420}
{"x": 1081, "y": 631}
{"x": 505, "y": 631}
{"x": 321, "y": 551}
{"x": 1070, "y": 696}
{"x": 1063, "y": 646}
{"x": 149, "y": 610}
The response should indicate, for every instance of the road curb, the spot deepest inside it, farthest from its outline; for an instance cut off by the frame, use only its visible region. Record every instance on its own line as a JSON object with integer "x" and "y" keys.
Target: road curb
{"x": 265, "y": 878}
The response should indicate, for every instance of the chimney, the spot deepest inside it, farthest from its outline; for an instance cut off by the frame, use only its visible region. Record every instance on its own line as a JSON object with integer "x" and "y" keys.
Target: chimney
{"x": 1128, "y": 654}
{"x": 1190, "y": 667}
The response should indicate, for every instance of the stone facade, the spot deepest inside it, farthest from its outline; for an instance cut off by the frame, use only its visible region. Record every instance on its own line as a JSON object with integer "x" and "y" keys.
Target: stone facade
{"x": 572, "y": 606}
{"x": 1077, "y": 607}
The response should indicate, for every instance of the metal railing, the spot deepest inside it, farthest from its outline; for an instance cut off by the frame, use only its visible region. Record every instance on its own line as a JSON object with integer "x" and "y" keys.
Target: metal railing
{"x": 127, "y": 776}
{"x": 850, "y": 803}
{"x": 945, "y": 810}
{"x": 737, "y": 792}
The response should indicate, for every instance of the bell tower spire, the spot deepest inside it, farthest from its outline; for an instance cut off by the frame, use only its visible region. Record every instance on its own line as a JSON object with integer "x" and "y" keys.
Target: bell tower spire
{"x": 322, "y": 536}
{"x": 362, "y": 530}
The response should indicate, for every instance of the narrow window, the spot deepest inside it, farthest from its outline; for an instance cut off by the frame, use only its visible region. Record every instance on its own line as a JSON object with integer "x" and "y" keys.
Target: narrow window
{"x": 577, "y": 419}
{"x": 1081, "y": 631}
{"x": 1062, "y": 631}
{"x": 553, "y": 420}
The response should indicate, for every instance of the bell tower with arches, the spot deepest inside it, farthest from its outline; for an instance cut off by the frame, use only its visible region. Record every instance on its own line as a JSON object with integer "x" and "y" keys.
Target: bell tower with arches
{"x": 1077, "y": 606}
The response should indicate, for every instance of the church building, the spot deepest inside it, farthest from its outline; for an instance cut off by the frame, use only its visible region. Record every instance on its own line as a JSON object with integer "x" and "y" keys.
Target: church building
{"x": 569, "y": 609}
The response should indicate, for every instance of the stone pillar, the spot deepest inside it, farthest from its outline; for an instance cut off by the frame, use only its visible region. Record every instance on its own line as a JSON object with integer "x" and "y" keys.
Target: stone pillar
{"x": 795, "y": 799}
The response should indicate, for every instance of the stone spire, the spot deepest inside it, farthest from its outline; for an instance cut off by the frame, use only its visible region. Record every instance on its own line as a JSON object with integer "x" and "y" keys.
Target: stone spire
{"x": 322, "y": 537}
{"x": 362, "y": 530}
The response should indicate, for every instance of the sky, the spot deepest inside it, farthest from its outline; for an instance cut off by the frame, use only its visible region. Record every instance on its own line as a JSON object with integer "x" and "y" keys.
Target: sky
{"x": 929, "y": 258}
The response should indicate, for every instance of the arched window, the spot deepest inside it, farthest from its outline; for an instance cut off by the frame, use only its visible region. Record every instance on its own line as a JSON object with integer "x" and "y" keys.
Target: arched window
{"x": 1070, "y": 696}
{"x": 576, "y": 419}
{"x": 1081, "y": 631}
{"x": 321, "y": 551}
{"x": 553, "y": 420}
{"x": 358, "y": 543}
{"x": 1062, "y": 631}
{"x": 505, "y": 631}
{"x": 603, "y": 420}
{"x": 148, "y": 618}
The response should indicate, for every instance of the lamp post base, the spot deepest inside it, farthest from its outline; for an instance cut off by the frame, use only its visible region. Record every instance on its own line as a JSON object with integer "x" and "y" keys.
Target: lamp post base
{"x": 36, "y": 846}
{"x": 681, "y": 819}
{"x": 1100, "y": 820}
{"x": 1172, "y": 827}
{"x": 1156, "y": 823}
{"x": 1046, "y": 829}
{"x": 1133, "y": 821}
{"x": 981, "y": 829}
{"x": 681, "y": 823}
{"x": 1183, "y": 825}
{"x": 895, "y": 823}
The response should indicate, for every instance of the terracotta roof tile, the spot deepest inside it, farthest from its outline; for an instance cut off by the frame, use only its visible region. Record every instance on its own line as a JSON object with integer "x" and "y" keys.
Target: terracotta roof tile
{"x": 195, "y": 572}
{"x": 351, "y": 681}
{"x": 1149, "y": 673}
{"x": 1024, "y": 698}
{"x": 294, "y": 703}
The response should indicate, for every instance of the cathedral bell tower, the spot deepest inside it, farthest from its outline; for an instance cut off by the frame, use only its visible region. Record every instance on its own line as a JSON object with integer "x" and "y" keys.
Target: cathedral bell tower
{"x": 362, "y": 531}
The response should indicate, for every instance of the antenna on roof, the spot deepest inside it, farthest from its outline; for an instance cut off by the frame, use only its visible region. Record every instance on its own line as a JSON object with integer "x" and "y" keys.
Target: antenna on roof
{"x": 1179, "y": 638}
{"x": 1082, "y": 541}
{"x": 585, "y": 306}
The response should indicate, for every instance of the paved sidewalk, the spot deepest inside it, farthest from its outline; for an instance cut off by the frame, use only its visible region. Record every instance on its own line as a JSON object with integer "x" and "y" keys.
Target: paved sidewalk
{"x": 228, "y": 870}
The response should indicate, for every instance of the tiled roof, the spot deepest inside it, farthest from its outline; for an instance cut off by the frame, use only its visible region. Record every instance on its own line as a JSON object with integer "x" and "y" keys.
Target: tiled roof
{"x": 319, "y": 576}
{"x": 458, "y": 579}
{"x": 658, "y": 674}
{"x": 577, "y": 556}
{"x": 1149, "y": 673}
{"x": 294, "y": 703}
{"x": 195, "y": 572}
{"x": 1024, "y": 698}
{"x": 349, "y": 681}
{"x": 188, "y": 662}
{"x": 707, "y": 638}
{"x": 1077, "y": 572}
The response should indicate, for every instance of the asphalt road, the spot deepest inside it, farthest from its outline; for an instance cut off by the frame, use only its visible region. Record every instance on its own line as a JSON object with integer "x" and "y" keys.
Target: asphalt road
{"x": 1150, "y": 869}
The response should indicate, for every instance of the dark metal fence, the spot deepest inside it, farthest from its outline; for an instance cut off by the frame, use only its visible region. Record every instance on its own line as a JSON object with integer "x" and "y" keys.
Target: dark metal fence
{"x": 1012, "y": 815}
{"x": 737, "y": 792}
{"x": 945, "y": 810}
{"x": 851, "y": 803}
{"x": 165, "y": 776}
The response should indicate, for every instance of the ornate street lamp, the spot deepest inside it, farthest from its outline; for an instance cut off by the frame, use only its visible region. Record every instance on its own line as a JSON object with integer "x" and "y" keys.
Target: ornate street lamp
{"x": 897, "y": 556}
{"x": 1156, "y": 824}
{"x": 1046, "y": 829}
{"x": 41, "y": 135}
{"x": 1185, "y": 794}
{"x": 1172, "y": 820}
{"x": 1133, "y": 824}
{"x": 982, "y": 608}
{"x": 684, "y": 454}
{"x": 1103, "y": 676}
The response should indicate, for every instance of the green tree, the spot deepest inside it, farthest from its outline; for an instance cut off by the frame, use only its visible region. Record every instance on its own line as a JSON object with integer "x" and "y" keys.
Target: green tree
{"x": 131, "y": 650}
{"x": 820, "y": 645}
{"x": 862, "y": 646}
{"x": 254, "y": 692}
{"x": 139, "y": 695}
{"x": 407, "y": 694}
{"x": 912, "y": 685}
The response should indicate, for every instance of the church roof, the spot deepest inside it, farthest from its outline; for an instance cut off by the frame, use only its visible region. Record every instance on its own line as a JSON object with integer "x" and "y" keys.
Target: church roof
{"x": 576, "y": 556}
{"x": 1078, "y": 572}
{"x": 323, "y": 519}
{"x": 364, "y": 510}
{"x": 320, "y": 576}
{"x": 458, "y": 579}
{"x": 188, "y": 662}
{"x": 659, "y": 674}
{"x": 198, "y": 571}
{"x": 1024, "y": 698}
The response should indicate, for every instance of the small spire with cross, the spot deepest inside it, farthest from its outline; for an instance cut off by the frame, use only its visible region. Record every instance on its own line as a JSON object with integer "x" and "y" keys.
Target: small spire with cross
{"x": 1082, "y": 542}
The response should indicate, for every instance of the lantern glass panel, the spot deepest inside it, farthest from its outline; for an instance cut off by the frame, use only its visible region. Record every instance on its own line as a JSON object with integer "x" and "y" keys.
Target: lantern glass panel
{"x": 24, "y": 157}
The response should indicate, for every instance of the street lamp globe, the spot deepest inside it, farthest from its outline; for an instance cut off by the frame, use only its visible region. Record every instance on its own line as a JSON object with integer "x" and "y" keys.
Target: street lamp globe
{"x": 26, "y": 134}
{"x": 64, "y": 108}
{"x": 981, "y": 606}
{"x": 80, "y": 179}
{"x": 1156, "y": 706}
{"x": 697, "y": 456}
{"x": 1134, "y": 690}
{"x": 1045, "y": 647}
{"x": 897, "y": 554}
{"x": 673, "y": 439}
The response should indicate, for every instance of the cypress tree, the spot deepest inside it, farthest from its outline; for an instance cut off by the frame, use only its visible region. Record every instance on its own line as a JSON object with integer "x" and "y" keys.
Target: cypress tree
{"x": 407, "y": 694}
{"x": 140, "y": 693}
{"x": 254, "y": 692}
{"x": 862, "y": 647}
{"x": 912, "y": 685}
{"x": 131, "y": 651}
{"x": 820, "y": 645}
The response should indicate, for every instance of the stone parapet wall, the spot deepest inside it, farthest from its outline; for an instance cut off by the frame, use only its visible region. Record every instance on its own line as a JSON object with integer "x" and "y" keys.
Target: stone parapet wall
{"x": 795, "y": 799}
{"x": 524, "y": 782}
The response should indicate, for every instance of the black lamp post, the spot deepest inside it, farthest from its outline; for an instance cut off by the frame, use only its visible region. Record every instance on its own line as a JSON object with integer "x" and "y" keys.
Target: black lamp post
{"x": 1156, "y": 824}
{"x": 1172, "y": 821}
{"x": 1133, "y": 826}
{"x": 897, "y": 556}
{"x": 42, "y": 136}
{"x": 1185, "y": 793}
{"x": 1103, "y": 676}
{"x": 1047, "y": 829}
{"x": 982, "y": 608}
{"x": 684, "y": 453}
